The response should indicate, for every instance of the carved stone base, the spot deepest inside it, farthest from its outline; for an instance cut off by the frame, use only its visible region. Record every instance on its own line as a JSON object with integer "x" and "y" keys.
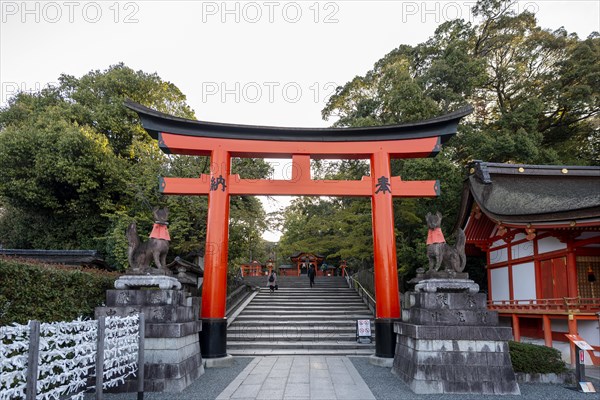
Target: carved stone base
{"x": 461, "y": 359}
{"x": 447, "y": 285}
{"x": 139, "y": 281}
{"x": 447, "y": 309}
{"x": 449, "y": 342}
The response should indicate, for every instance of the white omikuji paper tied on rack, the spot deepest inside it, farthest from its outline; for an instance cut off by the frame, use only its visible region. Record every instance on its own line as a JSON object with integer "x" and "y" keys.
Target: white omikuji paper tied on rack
{"x": 67, "y": 356}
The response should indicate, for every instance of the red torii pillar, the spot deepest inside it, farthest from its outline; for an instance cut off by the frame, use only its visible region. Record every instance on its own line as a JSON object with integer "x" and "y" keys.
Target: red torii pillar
{"x": 223, "y": 141}
{"x": 215, "y": 258}
{"x": 384, "y": 251}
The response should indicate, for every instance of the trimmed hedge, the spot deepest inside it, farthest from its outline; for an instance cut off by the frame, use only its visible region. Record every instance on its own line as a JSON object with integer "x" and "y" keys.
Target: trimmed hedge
{"x": 532, "y": 358}
{"x": 47, "y": 293}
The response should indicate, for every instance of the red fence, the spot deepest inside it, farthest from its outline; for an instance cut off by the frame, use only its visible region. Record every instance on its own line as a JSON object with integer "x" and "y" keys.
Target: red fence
{"x": 569, "y": 305}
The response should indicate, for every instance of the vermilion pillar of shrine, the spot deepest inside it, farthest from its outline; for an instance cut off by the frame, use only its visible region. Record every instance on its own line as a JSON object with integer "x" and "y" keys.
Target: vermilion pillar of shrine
{"x": 387, "y": 309}
{"x": 214, "y": 290}
{"x": 223, "y": 141}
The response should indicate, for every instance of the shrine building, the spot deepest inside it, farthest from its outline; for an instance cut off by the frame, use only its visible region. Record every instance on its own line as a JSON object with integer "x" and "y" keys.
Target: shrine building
{"x": 253, "y": 268}
{"x": 539, "y": 228}
{"x": 303, "y": 261}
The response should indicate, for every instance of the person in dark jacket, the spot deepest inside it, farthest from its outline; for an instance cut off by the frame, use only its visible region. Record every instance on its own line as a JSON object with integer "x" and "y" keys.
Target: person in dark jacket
{"x": 272, "y": 281}
{"x": 311, "y": 275}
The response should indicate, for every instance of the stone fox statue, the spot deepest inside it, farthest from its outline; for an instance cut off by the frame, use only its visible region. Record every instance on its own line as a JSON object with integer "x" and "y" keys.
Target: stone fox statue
{"x": 440, "y": 253}
{"x": 141, "y": 254}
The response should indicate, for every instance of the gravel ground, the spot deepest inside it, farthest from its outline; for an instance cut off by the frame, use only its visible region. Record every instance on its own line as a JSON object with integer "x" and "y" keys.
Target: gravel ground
{"x": 386, "y": 385}
{"x": 207, "y": 387}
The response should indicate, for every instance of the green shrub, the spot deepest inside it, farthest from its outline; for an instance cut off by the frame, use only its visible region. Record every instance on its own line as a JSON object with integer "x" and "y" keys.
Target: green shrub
{"x": 47, "y": 293}
{"x": 532, "y": 358}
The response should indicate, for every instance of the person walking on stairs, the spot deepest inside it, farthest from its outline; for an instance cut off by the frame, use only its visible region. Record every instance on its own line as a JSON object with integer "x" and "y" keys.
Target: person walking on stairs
{"x": 311, "y": 275}
{"x": 272, "y": 282}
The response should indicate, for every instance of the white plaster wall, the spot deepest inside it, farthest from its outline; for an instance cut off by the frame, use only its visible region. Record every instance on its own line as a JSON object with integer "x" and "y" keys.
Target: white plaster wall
{"x": 524, "y": 281}
{"x": 589, "y": 331}
{"x": 497, "y": 256}
{"x": 522, "y": 250}
{"x": 499, "y": 278}
{"x": 560, "y": 325}
{"x": 498, "y": 243}
{"x": 519, "y": 236}
{"x": 550, "y": 243}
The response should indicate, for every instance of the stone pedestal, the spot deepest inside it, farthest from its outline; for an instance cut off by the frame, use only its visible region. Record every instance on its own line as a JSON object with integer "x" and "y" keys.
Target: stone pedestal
{"x": 448, "y": 342}
{"x": 146, "y": 281}
{"x": 172, "y": 350}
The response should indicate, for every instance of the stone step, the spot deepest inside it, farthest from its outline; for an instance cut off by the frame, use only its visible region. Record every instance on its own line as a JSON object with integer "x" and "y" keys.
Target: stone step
{"x": 289, "y": 296}
{"x": 301, "y": 285}
{"x": 286, "y": 330}
{"x": 303, "y": 337}
{"x": 306, "y": 282}
{"x": 309, "y": 313}
{"x": 294, "y": 323}
{"x": 300, "y": 320}
{"x": 307, "y": 302}
{"x": 273, "y": 298}
{"x": 305, "y": 318}
{"x": 301, "y": 295}
{"x": 295, "y": 278}
{"x": 293, "y": 337}
{"x": 304, "y": 306}
{"x": 291, "y": 329}
{"x": 309, "y": 305}
{"x": 286, "y": 344}
{"x": 300, "y": 281}
{"x": 300, "y": 352}
{"x": 309, "y": 308}
{"x": 308, "y": 292}
{"x": 340, "y": 302}
{"x": 288, "y": 289}
{"x": 283, "y": 285}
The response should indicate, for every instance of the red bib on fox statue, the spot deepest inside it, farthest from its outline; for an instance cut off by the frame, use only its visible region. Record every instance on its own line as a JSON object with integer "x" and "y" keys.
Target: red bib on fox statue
{"x": 160, "y": 231}
{"x": 435, "y": 236}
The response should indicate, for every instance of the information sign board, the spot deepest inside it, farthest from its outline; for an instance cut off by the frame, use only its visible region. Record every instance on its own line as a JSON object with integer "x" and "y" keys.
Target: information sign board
{"x": 363, "y": 330}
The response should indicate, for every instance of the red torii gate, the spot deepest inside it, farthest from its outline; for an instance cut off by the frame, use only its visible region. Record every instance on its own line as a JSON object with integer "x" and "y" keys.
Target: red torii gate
{"x": 223, "y": 141}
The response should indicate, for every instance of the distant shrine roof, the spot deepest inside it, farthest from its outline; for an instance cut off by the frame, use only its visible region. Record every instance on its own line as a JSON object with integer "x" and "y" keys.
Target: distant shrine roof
{"x": 519, "y": 194}
{"x": 155, "y": 122}
{"x": 302, "y": 256}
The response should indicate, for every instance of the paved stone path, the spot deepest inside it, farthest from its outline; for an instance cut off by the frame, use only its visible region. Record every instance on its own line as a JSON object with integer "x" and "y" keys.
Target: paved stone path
{"x": 298, "y": 377}
{"x": 329, "y": 378}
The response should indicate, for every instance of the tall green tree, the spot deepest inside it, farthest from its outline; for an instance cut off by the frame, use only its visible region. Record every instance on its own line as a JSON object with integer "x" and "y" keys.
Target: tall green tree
{"x": 535, "y": 91}
{"x": 536, "y": 94}
{"x": 77, "y": 168}
{"x": 336, "y": 228}
{"x": 56, "y": 176}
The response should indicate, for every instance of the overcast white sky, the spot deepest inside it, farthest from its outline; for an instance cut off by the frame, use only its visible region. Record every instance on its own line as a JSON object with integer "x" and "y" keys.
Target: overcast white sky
{"x": 249, "y": 62}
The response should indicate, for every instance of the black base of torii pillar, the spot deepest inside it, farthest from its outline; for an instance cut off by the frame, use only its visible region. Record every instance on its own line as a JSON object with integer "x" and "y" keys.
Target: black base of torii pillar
{"x": 213, "y": 338}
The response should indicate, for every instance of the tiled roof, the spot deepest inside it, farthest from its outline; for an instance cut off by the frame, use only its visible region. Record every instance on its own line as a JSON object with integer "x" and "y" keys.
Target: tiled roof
{"x": 522, "y": 194}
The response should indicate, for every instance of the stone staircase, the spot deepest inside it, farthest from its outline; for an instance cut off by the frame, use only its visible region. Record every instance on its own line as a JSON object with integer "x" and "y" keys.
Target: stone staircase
{"x": 300, "y": 320}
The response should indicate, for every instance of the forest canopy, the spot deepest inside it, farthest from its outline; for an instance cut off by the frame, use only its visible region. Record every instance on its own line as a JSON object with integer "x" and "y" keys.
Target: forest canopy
{"x": 77, "y": 167}
{"x": 536, "y": 99}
